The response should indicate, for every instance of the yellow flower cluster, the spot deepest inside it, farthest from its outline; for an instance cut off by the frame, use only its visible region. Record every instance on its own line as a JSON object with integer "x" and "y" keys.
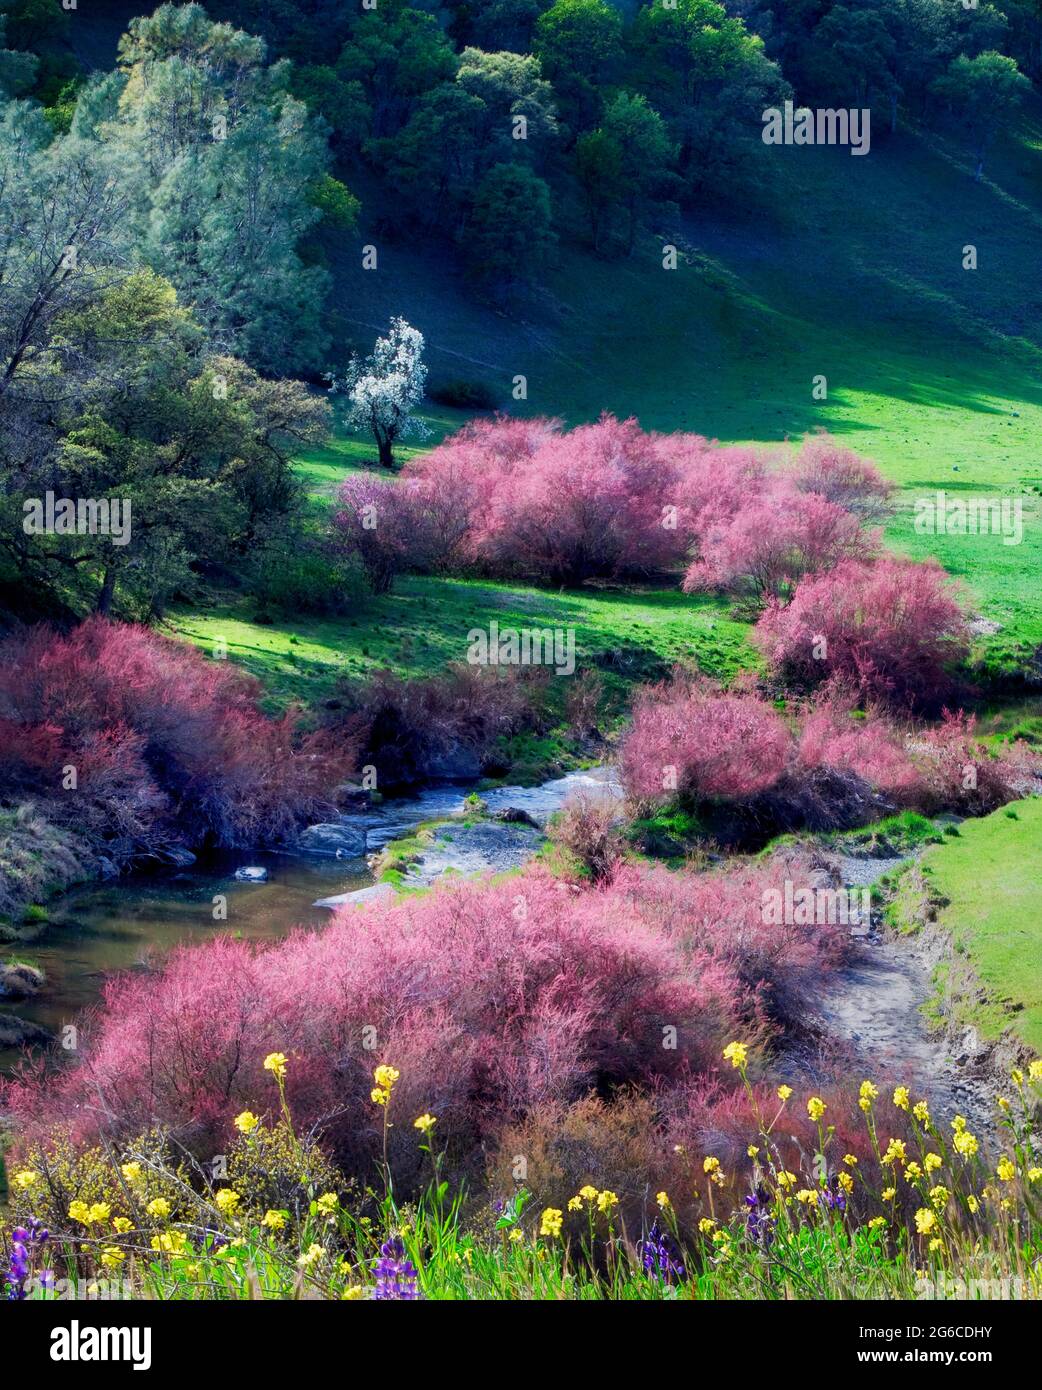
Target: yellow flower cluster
{"x": 551, "y": 1222}
{"x": 92, "y": 1215}
{"x": 275, "y": 1062}
{"x": 385, "y": 1077}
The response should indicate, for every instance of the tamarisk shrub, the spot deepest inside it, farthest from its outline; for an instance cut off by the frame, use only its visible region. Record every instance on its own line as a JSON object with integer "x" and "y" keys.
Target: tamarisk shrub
{"x": 690, "y": 739}
{"x": 770, "y": 543}
{"x": 491, "y": 998}
{"x": 844, "y": 478}
{"x": 586, "y": 828}
{"x": 560, "y": 507}
{"x": 891, "y": 631}
{"x": 394, "y": 527}
{"x": 164, "y": 743}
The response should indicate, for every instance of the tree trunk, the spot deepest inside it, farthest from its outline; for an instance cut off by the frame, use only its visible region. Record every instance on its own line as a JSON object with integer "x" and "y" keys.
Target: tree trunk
{"x": 108, "y": 589}
{"x": 385, "y": 451}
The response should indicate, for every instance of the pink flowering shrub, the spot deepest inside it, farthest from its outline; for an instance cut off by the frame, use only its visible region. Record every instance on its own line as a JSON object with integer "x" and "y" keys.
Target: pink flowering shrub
{"x": 702, "y": 744}
{"x": 890, "y": 631}
{"x": 393, "y": 527}
{"x": 490, "y": 998}
{"x": 529, "y": 499}
{"x": 842, "y": 477}
{"x": 750, "y": 773}
{"x": 161, "y": 741}
{"x": 771, "y": 542}
{"x": 560, "y": 507}
{"x": 957, "y": 772}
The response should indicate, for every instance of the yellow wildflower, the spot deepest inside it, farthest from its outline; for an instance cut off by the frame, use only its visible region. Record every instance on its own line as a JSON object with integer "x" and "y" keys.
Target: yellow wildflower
{"x": 940, "y": 1196}
{"x": 913, "y": 1172}
{"x": 606, "y": 1200}
{"x": 710, "y": 1165}
{"x": 132, "y": 1172}
{"x": 588, "y": 1193}
{"x": 1006, "y": 1169}
{"x": 973, "y": 1203}
{"x": 752, "y": 1150}
{"x": 901, "y": 1097}
{"x": 662, "y": 1198}
{"x": 79, "y": 1211}
{"x": 274, "y": 1220}
{"x": 111, "y": 1256}
{"x": 310, "y": 1256}
{"x": 123, "y": 1224}
{"x": 353, "y": 1293}
{"x": 550, "y": 1223}
{"x": 965, "y": 1143}
{"x": 845, "y": 1181}
{"x": 850, "y": 1160}
{"x": 275, "y": 1062}
{"x": 932, "y": 1161}
{"x": 925, "y": 1221}
{"x": 1034, "y": 1175}
{"x": 921, "y": 1111}
{"x": 895, "y": 1152}
{"x": 227, "y": 1200}
{"x": 246, "y": 1122}
{"x": 575, "y": 1204}
{"x": 24, "y": 1179}
{"x": 889, "y": 1193}
{"x": 1017, "y": 1076}
{"x": 386, "y": 1076}
{"x": 170, "y": 1242}
{"x": 1035, "y": 1069}
{"x": 815, "y": 1107}
{"x": 736, "y": 1053}
{"x": 786, "y": 1179}
{"x": 784, "y": 1092}
{"x": 706, "y": 1225}
{"x": 158, "y": 1207}
{"x": 877, "y": 1223}
{"x": 424, "y": 1123}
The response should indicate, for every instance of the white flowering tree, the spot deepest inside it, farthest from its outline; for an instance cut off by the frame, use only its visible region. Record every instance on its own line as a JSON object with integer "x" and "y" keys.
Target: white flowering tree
{"x": 386, "y": 388}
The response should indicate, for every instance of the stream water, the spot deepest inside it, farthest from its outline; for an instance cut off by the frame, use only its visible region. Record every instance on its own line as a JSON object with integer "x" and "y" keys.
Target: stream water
{"x": 99, "y": 928}
{"x": 871, "y": 1010}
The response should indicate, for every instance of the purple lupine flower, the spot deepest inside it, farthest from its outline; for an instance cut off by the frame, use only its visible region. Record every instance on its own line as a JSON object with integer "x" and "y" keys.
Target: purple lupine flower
{"x": 27, "y": 1242}
{"x": 659, "y": 1256}
{"x": 832, "y": 1195}
{"x": 395, "y": 1273}
{"x": 759, "y": 1221}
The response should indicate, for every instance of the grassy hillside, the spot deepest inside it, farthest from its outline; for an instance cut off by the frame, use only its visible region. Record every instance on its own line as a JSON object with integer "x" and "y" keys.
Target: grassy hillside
{"x": 988, "y": 894}
{"x": 424, "y": 623}
{"x": 855, "y": 273}
{"x": 933, "y": 370}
